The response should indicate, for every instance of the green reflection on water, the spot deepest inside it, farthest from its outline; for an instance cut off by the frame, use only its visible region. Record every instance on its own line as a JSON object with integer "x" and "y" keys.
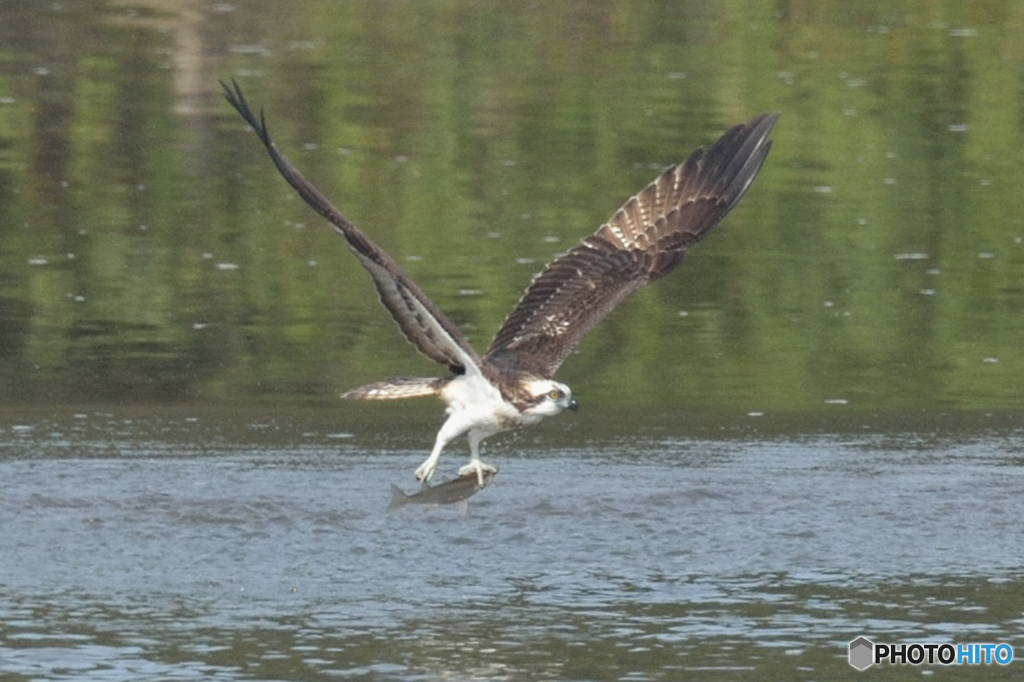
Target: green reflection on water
{"x": 148, "y": 250}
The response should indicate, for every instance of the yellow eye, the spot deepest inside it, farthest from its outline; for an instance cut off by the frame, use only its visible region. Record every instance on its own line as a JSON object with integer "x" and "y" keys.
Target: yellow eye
{"x": 554, "y": 394}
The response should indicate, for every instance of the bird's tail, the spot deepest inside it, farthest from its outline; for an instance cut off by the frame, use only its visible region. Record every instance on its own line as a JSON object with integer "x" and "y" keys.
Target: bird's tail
{"x": 399, "y": 387}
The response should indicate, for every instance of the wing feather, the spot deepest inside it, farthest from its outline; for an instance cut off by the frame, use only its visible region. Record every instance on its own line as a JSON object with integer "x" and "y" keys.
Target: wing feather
{"x": 417, "y": 317}
{"x": 645, "y": 239}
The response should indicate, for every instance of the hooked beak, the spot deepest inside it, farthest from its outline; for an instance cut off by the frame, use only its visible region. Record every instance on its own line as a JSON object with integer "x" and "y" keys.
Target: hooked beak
{"x": 573, "y": 405}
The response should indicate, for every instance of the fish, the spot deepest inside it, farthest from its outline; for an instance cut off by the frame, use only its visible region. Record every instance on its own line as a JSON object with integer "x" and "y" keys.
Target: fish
{"x": 450, "y": 492}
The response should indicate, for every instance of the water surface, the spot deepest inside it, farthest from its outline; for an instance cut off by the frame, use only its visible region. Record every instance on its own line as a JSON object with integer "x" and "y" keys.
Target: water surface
{"x": 218, "y": 547}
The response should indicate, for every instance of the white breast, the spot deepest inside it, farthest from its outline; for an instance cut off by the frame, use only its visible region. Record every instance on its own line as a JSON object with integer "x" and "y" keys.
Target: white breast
{"x": 477, "y": 404}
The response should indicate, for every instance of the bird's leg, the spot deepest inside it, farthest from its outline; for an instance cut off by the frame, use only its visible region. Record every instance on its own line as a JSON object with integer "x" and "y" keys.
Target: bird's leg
{"x": 475, "y": 465}
{"x": 426, "y": 470}
{"x": 450, "y": 430}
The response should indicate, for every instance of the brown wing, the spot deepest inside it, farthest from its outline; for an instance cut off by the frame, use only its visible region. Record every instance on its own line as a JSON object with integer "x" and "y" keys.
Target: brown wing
{"x": 423, "y": 324}
{"x": 646, "y": 239}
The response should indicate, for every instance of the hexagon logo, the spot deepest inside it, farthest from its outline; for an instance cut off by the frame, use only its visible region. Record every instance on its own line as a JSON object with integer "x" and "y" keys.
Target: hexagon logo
{"x": 862, "y": 652}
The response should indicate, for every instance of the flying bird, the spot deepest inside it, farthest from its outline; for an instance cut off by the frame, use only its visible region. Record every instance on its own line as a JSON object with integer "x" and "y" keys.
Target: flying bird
{"x": 513, "y": 384}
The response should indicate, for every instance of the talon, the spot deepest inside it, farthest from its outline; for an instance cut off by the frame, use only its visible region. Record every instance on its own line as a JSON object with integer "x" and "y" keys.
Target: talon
{"x": 425, "y": 471}
{"x": 479, "y": 468}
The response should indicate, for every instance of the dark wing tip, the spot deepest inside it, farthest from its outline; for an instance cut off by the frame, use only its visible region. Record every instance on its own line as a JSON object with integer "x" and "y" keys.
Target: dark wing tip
{"x": 742, "y": 150}
{"x": 236, "y": 98}
{"x": 729, "y": 167}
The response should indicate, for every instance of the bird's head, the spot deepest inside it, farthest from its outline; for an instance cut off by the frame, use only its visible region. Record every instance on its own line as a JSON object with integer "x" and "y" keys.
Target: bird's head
{"x": 548, "y": 398}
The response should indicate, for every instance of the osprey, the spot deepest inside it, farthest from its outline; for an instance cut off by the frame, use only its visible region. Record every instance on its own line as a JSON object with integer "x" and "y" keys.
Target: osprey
{"x": 512, "y": 383}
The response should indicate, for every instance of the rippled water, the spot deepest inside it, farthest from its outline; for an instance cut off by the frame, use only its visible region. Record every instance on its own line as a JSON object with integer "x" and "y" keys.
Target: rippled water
{"x": 199, "y": 547}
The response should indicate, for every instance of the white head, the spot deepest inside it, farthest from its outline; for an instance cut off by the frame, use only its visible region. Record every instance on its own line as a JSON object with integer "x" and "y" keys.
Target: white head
{"x": 549, "y": 398}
